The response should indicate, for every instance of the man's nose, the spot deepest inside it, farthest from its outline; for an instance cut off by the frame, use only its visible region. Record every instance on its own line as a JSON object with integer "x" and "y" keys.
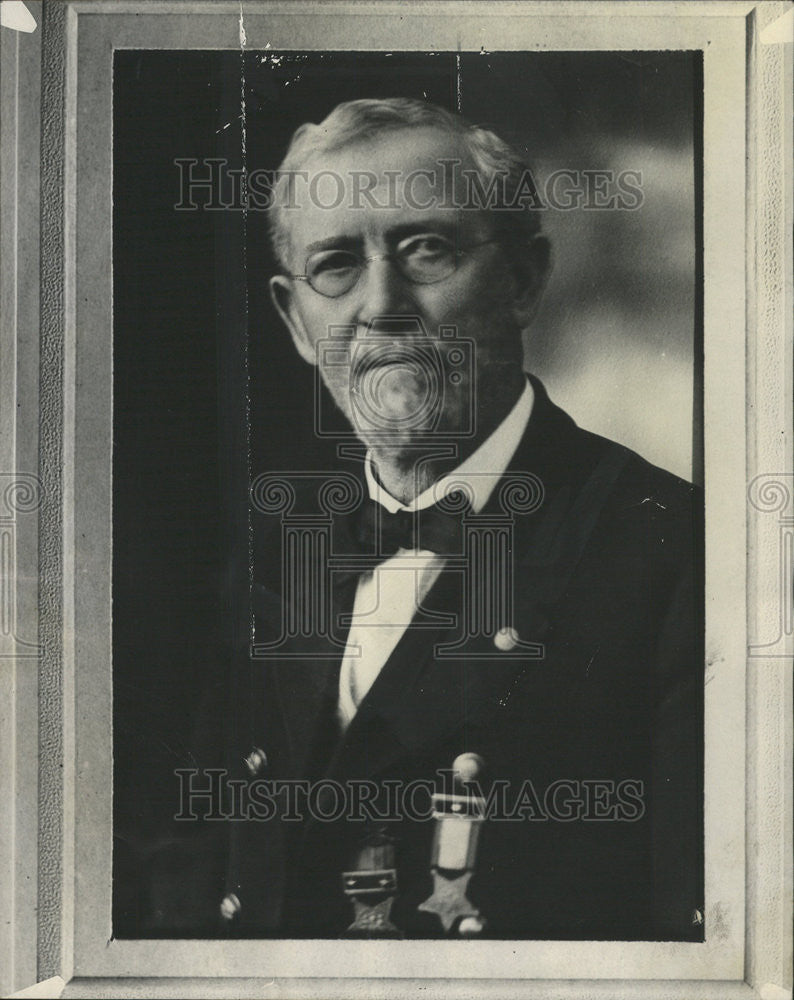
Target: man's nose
{"x": 387, "y": 303}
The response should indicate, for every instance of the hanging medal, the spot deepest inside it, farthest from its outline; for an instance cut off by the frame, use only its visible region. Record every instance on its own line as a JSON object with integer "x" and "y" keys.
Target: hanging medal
{"x": 458, "y": 818}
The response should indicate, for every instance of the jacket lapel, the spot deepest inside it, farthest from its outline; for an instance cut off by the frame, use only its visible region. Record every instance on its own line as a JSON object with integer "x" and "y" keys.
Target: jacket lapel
{"x": 422, "y": 695}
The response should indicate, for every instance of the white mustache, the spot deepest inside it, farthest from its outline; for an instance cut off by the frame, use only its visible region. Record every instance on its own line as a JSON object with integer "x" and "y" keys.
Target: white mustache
{"x": 386, "y": 354}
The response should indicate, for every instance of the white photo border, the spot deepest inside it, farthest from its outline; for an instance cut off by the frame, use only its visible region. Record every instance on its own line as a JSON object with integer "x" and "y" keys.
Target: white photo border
{"x": 59, "y": 820}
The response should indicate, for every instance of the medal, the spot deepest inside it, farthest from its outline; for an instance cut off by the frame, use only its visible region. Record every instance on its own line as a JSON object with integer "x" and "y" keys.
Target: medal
{"x": 371, "y": 886}
{"x": 458, "y": 820}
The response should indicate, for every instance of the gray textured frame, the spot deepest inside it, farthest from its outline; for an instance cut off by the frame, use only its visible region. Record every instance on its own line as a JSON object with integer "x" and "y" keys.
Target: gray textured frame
{"x": 56, "y": 395}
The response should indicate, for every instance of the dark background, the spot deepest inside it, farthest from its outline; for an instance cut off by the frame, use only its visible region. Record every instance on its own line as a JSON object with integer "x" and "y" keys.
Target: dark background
{"x": 208, "y": 389}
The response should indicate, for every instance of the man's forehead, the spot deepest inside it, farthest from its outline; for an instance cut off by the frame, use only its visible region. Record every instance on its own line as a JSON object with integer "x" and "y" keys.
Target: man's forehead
{"x": 395, "y": 180}
{"x": 413, "y": 147}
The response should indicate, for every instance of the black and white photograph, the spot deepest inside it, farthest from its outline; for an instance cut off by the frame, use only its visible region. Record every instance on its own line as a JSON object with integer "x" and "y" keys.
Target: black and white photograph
{"x": 396, "y": 540}
{"x": 462, "y": 691}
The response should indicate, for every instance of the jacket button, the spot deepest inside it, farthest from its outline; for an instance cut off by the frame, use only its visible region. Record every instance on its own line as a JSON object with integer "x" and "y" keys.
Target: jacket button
{"x": 506, "y": 639}
{"x": 230, "y": 906}
{"x": 256, "y": 762}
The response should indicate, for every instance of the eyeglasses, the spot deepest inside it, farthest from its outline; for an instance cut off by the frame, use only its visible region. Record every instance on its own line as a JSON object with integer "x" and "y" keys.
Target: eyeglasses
{"x": 422, "y": 260}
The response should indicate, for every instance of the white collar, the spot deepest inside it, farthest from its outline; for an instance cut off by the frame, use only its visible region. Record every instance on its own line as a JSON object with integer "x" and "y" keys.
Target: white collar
{"x": 479, "y": 473}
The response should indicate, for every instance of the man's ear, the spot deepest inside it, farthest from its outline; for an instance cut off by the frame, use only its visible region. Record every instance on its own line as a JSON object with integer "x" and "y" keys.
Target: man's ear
{"x": 531, "y": 269}
{"x": 282, "y": 292}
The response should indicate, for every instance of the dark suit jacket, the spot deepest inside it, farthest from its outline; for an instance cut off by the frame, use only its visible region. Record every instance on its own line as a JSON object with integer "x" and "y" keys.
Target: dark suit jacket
{"x": 607, "y": 582}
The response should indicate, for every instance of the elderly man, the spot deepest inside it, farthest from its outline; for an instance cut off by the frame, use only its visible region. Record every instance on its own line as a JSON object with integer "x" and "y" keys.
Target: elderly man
{"x": 494, "y": 661}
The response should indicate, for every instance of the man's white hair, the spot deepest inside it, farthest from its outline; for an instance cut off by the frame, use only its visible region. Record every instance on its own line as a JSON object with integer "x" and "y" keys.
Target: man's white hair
{"x": 353, "y": 121}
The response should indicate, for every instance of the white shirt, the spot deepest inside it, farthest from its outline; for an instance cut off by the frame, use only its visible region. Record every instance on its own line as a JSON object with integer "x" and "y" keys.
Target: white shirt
{"x": 388, "y": 598}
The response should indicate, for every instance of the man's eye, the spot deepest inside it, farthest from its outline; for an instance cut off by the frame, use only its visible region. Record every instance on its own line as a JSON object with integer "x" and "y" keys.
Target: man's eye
{"x": 332, "y": 261}
{"x": 427, "y": 248}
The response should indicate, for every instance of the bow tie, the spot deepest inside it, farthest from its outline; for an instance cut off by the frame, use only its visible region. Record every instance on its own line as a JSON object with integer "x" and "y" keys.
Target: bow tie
{"x": 438, "y": 528}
